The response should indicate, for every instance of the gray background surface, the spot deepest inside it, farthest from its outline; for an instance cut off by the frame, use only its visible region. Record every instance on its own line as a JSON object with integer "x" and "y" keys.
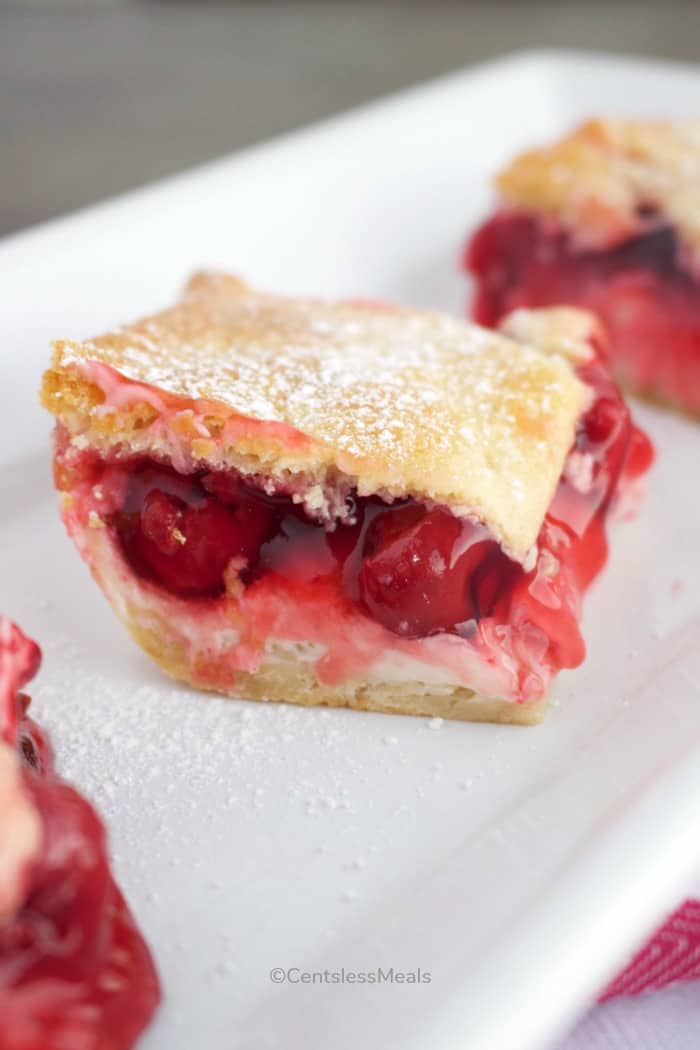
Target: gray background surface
{"x": 99, "y": 97}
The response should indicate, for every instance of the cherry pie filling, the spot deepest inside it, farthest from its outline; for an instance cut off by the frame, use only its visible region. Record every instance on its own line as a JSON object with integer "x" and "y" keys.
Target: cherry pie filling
{"x": 417, "y": 570}
{"x": 74, "y": 969}
{"x": 648, "y": 302}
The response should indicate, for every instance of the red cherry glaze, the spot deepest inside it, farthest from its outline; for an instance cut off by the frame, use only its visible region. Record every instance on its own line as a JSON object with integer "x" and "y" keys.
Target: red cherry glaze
{"x": 183, "y": 531}
{"x": 415, "y": 576}
{"x": 492, "y": 584}
{"x": 161, "y": 518}
{"x": 648, "y": 303}
{"x": 74, "y": 969}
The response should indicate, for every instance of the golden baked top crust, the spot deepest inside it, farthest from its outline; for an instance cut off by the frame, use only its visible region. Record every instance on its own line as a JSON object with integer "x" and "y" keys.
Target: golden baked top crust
{"x": 600, "y": 181}
{"x": 557, "y": 330}
{"x": 392, "y": 401}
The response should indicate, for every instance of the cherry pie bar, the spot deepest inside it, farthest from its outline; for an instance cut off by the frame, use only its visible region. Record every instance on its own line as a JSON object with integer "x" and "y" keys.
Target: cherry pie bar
{"x": 607, "y": 219}
{"x": 74, "y": 970}
{"x": 345, "y": 504}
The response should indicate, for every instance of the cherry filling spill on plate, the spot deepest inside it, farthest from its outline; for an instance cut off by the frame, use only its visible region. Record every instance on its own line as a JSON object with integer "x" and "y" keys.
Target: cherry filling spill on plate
{"x": 417, "y": 570}
{"x": 648, "y": 303}
{"x": 74, "y": 969}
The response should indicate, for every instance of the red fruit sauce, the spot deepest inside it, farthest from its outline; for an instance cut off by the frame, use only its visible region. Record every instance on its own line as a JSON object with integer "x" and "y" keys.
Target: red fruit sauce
{"x": 416, "y": 570}
{"x": 649, "y": 304}
{"x": 75, "y": 973}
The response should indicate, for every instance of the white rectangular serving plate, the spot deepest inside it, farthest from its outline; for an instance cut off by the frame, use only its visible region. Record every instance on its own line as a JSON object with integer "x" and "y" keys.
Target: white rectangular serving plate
{"x": 515, "y": 866}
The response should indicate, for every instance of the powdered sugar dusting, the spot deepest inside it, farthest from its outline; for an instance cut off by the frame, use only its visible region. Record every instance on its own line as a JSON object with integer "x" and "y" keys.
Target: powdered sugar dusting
{"x": 406, "y": 401}
{"x": 160, "y": 740}
{"x": 228, "y": 795}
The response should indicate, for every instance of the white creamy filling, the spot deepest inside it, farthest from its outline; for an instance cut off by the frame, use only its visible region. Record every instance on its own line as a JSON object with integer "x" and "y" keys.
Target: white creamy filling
{"x": 399, "y": 667}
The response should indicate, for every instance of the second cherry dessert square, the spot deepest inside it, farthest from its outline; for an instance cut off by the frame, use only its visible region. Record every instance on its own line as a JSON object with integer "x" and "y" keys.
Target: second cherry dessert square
{"x": 606, "y": 218}
{"x": 331, "y": 503}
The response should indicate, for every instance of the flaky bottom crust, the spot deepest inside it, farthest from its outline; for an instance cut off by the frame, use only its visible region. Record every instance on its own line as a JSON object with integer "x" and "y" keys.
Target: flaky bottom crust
{"x": 284, "y": 675}
{"x": 284, "y": 679}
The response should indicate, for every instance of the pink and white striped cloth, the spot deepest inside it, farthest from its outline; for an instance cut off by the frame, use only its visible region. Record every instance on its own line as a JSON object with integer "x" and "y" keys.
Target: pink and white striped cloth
{"x": 671, "y": 954}
{"x": 654, "y": 1003}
